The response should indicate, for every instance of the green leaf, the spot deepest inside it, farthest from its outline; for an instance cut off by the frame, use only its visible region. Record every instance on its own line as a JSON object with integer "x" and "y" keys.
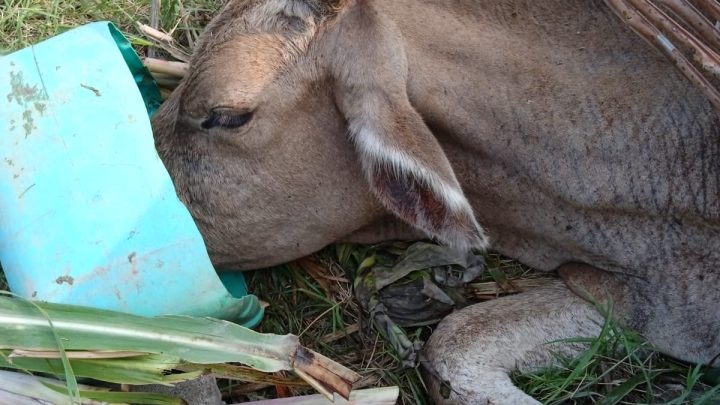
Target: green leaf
{"x": 115, "y": 397}
{"x": 17, "y": 388}
{"x": 147, "y": 369}
{"x": 195, "y": 340}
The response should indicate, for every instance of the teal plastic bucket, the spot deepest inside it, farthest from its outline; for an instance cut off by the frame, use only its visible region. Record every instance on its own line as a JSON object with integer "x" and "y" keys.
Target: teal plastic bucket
{"x": 88, "y": 213}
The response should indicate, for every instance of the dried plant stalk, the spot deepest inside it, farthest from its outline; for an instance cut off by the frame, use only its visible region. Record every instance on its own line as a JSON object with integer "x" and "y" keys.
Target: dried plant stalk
{"x": 655, "y": 37}
{"x": 165, "y": 41}
{"x": 323, "y": 374}
{"x": 491, "y": 289}
{"x": 175, "y": 69}
{"x": 711, "y": 7}
{"x": 706, "y": 57}
{"x": 695, "y": 19}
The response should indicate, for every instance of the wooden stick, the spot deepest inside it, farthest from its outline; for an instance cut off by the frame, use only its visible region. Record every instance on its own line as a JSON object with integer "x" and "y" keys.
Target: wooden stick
{"x": 711, "y": 7}
{"x": 656, "y": 38}
{"x": 168, "y": 83}
{"x": 155, "y": 34}
{"x": 176, "y": 69}
{"x": 706, "y": 57}
{"x": 165, "y": 93}
{"x": 158, "y": 75}
{"x": 694, "y": 18}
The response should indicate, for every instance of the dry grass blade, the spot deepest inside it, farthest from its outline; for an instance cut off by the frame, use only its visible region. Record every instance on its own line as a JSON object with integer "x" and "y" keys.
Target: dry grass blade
{"x": 245, "y": 374}
{"x": 166, "y": 42}
{"x": 491, "y": 289}
{"x": 335, "y": 336}
{"x": 315, "y": 270}
{"x": 641, "y": 25}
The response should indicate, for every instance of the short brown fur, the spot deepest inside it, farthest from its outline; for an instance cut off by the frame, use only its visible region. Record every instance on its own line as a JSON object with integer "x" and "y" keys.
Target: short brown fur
{"x": 567, "y": 137}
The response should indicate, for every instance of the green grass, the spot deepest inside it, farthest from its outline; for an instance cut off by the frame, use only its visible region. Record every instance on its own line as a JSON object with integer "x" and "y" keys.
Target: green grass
{"x": 619, "y": 367}
{"x": 24, "y": 22}
{"x": 317, "y": 305}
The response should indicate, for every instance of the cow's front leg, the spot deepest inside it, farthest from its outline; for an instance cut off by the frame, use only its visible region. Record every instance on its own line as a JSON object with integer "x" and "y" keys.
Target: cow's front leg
{"x": 469, "y": 357}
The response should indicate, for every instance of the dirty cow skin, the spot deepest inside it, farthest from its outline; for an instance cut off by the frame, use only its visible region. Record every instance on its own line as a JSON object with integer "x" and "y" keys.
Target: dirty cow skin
{"x": 545, "y": 129}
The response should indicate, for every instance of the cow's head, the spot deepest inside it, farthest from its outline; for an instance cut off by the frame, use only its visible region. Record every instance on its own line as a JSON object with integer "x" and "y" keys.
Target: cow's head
{"x": 293, "y": 129}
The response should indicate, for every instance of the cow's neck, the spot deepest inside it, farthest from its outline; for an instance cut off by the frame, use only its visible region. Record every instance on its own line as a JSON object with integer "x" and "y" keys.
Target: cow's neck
{"x": 564, "y": 128}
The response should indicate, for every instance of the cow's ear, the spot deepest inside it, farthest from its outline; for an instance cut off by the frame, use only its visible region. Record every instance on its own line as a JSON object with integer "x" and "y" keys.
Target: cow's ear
{"x": 403, "y": 162}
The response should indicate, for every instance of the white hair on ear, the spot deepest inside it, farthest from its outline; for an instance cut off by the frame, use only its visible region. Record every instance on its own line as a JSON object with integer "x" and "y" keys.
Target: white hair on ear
{"x": 376, "y": 152}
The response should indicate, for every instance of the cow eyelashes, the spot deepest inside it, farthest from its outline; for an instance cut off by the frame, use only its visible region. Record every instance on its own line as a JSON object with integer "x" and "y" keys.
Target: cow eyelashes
{"x": 226, "y": 118}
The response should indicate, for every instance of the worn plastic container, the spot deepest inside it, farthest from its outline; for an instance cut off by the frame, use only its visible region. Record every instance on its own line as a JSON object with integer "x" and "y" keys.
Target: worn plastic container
{"x": 88, "y": 212}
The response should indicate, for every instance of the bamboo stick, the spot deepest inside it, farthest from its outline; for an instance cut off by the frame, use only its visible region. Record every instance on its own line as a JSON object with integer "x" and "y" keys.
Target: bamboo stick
{"x": 165, "y": 93}
{"x": 176, "y": 69}
{"x": 708, "y": 59}
{"x": 711, "y": 7}
{"x": 168, "y": 83}
{"x": 652, "y": 35}
{"x": 694, "y": 18}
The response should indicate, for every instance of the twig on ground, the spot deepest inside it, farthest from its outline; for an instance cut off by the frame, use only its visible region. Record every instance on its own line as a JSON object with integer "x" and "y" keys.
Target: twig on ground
{"x": 175, "y": 69}
{"x": 165, "y": 41}
{"x": 491, "y": 289}
{"x": 332, "y": 337}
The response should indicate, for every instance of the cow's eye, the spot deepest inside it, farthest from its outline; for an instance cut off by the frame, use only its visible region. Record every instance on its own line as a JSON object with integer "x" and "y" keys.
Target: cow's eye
{"x": 226, "y": 118}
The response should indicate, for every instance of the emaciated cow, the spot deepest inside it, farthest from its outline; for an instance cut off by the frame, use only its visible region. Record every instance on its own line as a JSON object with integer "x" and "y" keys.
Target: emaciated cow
{"x": 574, "y": 144}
